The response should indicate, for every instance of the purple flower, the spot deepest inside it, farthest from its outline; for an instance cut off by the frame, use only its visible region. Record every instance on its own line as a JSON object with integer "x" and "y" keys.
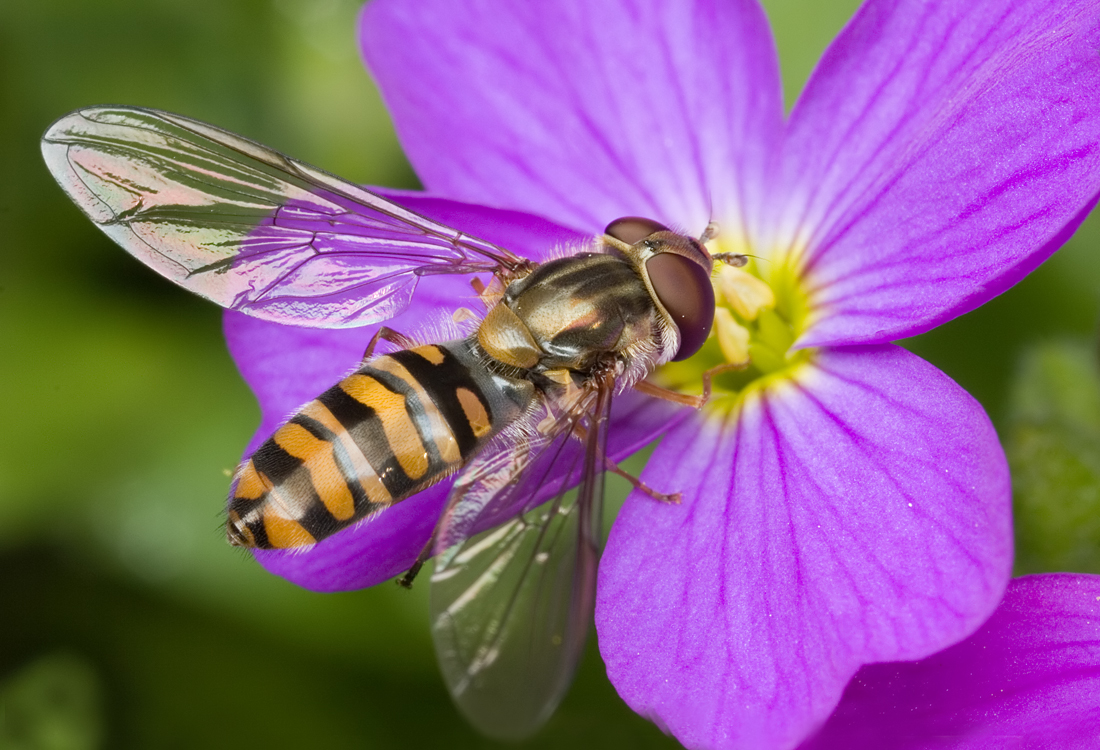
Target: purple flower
{"x": 845, "y": 502}
{"x": 1028, "y": 678}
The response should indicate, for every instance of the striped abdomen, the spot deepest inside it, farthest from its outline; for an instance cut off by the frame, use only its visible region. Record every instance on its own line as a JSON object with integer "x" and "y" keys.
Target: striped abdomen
{"x": 397, "y": 425}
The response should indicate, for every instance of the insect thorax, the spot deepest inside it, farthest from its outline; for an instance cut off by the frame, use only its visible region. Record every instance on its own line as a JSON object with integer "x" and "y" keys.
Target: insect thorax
{"x": 570, "y": 312}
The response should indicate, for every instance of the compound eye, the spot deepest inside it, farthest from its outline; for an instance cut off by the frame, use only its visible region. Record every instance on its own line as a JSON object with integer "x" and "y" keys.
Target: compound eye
{"x": 633, "y": 229}
{"x": 683, "y": 289}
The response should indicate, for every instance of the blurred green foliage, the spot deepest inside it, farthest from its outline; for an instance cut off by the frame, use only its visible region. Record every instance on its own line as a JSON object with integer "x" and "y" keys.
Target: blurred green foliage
{"x": 127, "y": 621}
{"x": 52, "y": 704}
{"x": 1053, "y": 446}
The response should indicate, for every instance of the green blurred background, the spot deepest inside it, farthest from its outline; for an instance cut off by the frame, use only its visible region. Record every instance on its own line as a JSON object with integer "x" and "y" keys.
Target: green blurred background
{"x": 125, "y": 619}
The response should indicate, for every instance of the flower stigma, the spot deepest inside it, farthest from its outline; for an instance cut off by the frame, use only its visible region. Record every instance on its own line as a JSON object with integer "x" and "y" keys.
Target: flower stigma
{"x": 760, "y": 311}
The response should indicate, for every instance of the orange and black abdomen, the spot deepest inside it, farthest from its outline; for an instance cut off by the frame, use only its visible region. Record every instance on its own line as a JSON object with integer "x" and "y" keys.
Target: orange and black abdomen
{"x": 397, "y": 425}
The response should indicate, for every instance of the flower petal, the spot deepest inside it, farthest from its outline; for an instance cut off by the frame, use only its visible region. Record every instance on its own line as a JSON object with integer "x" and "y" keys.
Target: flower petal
{"x": 941, "y": 151}
{"x": 1028, "y": 678}
{"x": 858, "y": 511}
{"x": 288, "y": 366}
{"x": 582, "y": 111}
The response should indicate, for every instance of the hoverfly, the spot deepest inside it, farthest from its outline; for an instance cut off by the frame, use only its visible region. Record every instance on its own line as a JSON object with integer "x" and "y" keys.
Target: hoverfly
{"x": 518, "y": 409}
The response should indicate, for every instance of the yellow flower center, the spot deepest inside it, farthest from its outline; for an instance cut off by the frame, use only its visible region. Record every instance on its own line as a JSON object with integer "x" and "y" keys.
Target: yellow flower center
{"x": 761, "y": 310}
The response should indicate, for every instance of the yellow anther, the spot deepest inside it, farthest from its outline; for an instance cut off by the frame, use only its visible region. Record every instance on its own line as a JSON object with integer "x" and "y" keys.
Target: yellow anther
{"x": 745, "y": 293}
{"x": 733, "y": 338}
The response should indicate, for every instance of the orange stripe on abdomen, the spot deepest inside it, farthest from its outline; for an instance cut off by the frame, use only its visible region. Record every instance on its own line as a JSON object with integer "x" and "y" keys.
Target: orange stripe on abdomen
{"x": 364, "y": 471}
{"x": 389, "y": 407}
{"x": 439, "y": 432}
{"x": 283, "y": 533}
{"x": 250, "y": 485}
{"x": 317, "y": 458}
{"x": 475, "y": 412}
{"x": 431, "y": 352}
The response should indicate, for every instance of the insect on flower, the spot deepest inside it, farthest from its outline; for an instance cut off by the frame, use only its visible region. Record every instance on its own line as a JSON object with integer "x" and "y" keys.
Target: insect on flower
{"x": 520, "y": 407}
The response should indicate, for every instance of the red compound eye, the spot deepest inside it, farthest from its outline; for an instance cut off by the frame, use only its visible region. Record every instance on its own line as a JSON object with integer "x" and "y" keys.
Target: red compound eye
{"x": 679, "y": 270}
{"x": 683, "y": 288}
{"x": 633, "y": 229}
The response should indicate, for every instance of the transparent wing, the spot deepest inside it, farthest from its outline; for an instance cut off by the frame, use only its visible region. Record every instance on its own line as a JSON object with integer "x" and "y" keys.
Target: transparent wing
{"x": 248, "y": 227}
{"x": 511, "y": 605}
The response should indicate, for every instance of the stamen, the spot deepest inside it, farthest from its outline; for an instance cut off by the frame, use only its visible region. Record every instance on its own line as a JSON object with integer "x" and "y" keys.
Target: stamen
{"x": 743, "y": 292}
{"x": 733, "y": 338}
{"x": 756, "y": 322}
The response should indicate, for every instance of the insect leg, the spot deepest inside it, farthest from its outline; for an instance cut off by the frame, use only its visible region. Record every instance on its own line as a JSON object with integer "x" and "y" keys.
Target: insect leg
{"x": 672, "y": 497}
{"x": 667, "y": 394}
{"x": 406, "y": 581}
{"x": 389, "y": 335}
{"x": 718, "y": 370}
{"x": 581, "y": 433}
{"x": 652, "y": 389}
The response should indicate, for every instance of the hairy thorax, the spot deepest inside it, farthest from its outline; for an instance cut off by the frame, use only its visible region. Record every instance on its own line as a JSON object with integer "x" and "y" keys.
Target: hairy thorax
{"x": 567, "y": 313}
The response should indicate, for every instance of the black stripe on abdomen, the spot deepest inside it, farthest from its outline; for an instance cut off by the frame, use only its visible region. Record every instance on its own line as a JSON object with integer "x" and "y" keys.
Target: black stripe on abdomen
{"x": 293, "y": 482}
{"x": 362, "y": 504}
{"x": 363, "y": 425}
{"x": 441, "y": 382}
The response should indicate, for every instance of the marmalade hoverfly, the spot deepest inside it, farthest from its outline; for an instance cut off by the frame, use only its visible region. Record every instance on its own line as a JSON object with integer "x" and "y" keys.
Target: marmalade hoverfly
{"x": 518, "y": 409}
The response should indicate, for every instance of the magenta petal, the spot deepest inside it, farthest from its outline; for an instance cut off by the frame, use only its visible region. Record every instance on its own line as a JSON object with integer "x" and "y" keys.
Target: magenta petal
{"x": 582, "y": 111}
{"x": 858, "y": 511}
{"x": 1029, "y": 678}
{"x": 941, "y": 151}
{"x": 288, "y": 366}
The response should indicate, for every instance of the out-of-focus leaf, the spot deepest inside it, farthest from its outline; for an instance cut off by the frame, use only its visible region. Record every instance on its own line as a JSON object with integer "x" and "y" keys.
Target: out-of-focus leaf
{"x": 54, "y": 703}
{"x": 802, "y": 31}
{"x": 1053, "y": 447}
{"x": 173, "y": 675}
